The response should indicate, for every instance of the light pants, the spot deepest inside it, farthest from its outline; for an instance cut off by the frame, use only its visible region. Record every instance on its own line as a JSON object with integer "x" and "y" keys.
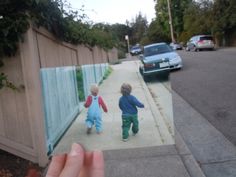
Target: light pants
{"x": 94, "y": 115}
{"x": 90, "y": 121}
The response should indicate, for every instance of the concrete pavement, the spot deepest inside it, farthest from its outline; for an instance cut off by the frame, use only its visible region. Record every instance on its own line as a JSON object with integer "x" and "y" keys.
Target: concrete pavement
{"x": 153, "y": 127}
{"x": 155, "y": 151}
{"x": 215, "y": 154}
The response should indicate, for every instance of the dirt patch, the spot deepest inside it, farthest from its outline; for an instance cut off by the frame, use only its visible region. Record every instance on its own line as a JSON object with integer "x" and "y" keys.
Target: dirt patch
{"x": 13, "y": 166}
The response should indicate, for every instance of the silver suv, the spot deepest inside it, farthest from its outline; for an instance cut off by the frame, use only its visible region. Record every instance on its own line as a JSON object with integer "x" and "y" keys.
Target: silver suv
{"x": 200, "y": 42}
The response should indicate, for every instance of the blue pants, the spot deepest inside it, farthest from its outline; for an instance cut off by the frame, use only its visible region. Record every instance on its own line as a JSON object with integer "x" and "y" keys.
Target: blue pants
{"x": 90, "y": 121}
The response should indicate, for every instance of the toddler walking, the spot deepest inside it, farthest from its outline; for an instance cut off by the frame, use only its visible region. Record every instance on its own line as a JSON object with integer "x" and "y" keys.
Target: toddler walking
{"x": 128, "y": 105}
{"x": 94, "y": 115}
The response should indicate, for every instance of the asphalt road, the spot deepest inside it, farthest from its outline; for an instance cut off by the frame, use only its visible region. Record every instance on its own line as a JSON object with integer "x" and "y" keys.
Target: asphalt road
{"x": 208, "y": 83}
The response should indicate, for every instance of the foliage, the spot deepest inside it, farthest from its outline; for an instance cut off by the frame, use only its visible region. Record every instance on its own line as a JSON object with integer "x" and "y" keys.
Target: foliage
{"x": 119, "y": 32}
{"x": 121, "y": 54}
{"x": 104, "y": 35}
{"x": 80, "y": 84}
{"x": 55, "y": 15}
{"x": 107, "y": 73}
{"x": 177, "y": 13}
{"x": 155, "y": 33}
{"x": 13, "y": 23}
{"x": 67, "y": 25}
{"x": 191, "y": 17}
{"x": 162, "y": 17}
{"x": 224, "y": 18}
{"x": 139, "y": 29}
{"x": 4, "y": 82}
{"x": 178, "y": 9}
{"x": 196, "y": 21}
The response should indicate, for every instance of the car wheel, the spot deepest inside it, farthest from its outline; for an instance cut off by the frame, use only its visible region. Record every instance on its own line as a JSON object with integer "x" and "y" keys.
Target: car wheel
{"x": 164, "y": 76}
{"x": 145, "y": 78}
{"x": 140, "y": 70}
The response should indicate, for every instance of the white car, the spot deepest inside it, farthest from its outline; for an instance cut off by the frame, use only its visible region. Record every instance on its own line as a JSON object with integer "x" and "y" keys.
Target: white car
{"x": 200, "y": 42}
{"x": 176, "y": 46}
{"x": 135, "y": 50}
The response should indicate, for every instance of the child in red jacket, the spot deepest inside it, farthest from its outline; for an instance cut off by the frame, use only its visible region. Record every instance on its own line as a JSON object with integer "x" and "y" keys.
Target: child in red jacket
{"x": 94, "y": 115}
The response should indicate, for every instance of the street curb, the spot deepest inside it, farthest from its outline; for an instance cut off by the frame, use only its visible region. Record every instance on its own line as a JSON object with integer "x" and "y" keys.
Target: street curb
{"x": 164, "y": 132}
{"x": 188, "y": 159}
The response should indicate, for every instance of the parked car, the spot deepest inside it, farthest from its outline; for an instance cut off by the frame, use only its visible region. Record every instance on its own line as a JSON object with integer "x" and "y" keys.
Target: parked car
{"x": 200, "y": 42}
{"x": 135, "y": 50}
{"x": 158, "y": 58}
{"x": 176, "y": 46}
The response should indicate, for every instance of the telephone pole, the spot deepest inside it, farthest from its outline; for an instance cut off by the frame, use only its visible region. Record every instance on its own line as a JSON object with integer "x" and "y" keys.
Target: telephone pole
{"x": 127, "y": 39}
{"x": 170, "y": 22}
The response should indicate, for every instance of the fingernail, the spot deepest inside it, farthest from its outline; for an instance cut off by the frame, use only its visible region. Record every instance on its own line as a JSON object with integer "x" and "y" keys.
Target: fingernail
{"x": 76, "y": 149}
{"x": 98, "y": 160}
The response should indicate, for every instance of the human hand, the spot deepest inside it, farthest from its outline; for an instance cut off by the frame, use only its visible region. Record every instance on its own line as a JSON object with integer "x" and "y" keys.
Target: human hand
{"x": 77, "y": 163}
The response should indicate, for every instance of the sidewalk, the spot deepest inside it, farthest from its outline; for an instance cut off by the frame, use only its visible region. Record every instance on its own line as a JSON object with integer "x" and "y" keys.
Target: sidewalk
{"x": 215, "y": 154}
{"x": 155, "y": 151}
{"x": 153, "y": 130}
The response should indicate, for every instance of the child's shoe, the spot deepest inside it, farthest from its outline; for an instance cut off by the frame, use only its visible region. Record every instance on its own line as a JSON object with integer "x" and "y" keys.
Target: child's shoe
{"x": 99, "y": 132}
{"x": 125, "y": 140}
{"x": 89, "y": 130}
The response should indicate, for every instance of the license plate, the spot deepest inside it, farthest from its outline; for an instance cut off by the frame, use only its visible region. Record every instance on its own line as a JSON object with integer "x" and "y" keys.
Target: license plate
{"x": 164, "y": 64}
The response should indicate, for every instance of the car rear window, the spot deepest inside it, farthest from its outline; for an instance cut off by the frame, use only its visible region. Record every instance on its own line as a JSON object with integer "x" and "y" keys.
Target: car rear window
{"x": 210, "y": 38}
{"x": 158, "y": 49}
{"x": 133, "y": 48}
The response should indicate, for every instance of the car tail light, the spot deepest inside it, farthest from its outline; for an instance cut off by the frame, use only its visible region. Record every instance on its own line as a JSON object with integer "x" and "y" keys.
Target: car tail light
{"x": 200, "y": 42}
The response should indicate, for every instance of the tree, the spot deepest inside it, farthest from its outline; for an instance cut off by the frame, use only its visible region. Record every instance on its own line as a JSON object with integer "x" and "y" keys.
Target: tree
{"x": 155, "y": 33}
{"x": 191, "y": 17}
{"x": 120, "y": 31}
{"x": 198, "y": 19}
{"x": 224, "y": 17}
{"x": 139, "y": 28}
{"x": 178, "y": 8}
{"x": 162, "y": 16}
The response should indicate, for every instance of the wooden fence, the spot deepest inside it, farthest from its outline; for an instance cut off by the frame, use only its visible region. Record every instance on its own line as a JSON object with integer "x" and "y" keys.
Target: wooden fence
{"x": 23, "y": 129}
